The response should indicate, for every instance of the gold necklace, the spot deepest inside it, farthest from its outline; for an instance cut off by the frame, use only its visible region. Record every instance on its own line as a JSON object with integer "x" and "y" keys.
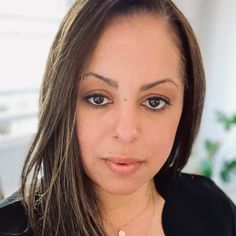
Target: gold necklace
{"x": 120, "y": 230}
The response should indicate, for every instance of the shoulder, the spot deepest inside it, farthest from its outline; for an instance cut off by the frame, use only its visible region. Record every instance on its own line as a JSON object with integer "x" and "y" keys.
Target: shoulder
{"x": 13, "y": 218}
{"x": 196, "y": 202}
{"x": 198, "y": 186}
{"x": 200, "y": 189}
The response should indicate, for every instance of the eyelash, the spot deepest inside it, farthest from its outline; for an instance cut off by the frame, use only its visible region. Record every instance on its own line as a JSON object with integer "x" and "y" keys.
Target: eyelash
{"x": 163, "y": 100}
{"x": 165, "y": 103}
{"x": 94, "y": 105}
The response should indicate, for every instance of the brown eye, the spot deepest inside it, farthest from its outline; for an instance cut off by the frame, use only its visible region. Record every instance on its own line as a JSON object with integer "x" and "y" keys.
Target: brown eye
{"x": 156, "y": 103}
{"x": 97, "y": 99}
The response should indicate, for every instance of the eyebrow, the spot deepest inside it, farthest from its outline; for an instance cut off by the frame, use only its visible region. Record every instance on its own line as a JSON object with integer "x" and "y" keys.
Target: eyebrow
{"x": 115, "y": 85}
{"x": 108, "y": 81}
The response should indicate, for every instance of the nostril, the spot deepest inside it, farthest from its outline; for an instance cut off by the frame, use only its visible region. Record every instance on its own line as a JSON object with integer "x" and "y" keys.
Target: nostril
{"x": 125, "y": 134}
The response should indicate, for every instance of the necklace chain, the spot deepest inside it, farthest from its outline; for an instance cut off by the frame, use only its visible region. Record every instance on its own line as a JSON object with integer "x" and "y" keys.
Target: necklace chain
{"x": 120, "y": 230}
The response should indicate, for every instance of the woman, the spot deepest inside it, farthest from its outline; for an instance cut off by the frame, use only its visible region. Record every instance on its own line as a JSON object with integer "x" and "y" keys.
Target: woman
{"x": 120, "y": 107}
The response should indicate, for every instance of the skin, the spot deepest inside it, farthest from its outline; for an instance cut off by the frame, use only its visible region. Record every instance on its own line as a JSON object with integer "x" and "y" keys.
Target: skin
{"x": 129, "y": 107}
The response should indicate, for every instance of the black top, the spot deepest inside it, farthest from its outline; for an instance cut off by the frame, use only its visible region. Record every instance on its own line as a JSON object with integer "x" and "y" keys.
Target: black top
{"x": 194, "y": 206}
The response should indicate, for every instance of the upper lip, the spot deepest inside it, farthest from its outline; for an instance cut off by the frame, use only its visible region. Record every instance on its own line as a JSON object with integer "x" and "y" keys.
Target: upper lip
{"x": 123, "y": 160}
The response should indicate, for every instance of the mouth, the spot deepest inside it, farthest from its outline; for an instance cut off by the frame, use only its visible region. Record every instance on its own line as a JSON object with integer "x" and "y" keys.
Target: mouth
{"x": 123, "y": 166}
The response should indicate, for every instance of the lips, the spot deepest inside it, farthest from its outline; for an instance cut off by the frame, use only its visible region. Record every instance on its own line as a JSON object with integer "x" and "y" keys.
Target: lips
{"x": 123, "y": 166}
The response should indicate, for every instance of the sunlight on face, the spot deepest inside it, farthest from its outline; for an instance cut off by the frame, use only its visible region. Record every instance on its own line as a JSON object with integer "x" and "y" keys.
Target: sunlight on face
{"x": 130, "y": 104}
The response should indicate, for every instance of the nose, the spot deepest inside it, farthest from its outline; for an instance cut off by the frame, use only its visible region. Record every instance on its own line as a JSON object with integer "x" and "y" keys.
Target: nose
{"x": 126, "y": 126}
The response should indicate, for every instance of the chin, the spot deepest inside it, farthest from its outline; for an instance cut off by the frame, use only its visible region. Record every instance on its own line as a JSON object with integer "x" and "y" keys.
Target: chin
{"x": 120, "y": 189}
{"x": 121, "y": 192}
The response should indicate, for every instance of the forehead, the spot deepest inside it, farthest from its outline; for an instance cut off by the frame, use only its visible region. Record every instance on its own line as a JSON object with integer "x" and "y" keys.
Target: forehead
{"x": 140, "y": 46}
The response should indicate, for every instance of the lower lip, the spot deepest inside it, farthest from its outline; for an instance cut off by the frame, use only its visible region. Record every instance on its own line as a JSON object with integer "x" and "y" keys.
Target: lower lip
{"x": 123, "y": 168}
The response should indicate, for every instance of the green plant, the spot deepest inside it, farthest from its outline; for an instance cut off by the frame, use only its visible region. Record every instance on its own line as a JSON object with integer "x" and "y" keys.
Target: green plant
{"x": 206, "y": 166}
{"x": 229, "y": 167}
{"x": 227, "y": 121}
{"x": 211, "y": 148}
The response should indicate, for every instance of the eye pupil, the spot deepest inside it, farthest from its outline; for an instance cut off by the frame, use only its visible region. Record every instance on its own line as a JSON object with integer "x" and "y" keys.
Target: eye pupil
{"x": 98, "y": 99}
{"x": 154, "y": 102}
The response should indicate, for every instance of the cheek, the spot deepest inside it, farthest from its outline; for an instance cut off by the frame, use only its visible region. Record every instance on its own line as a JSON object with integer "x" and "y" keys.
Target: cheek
{"x": 86, "y": 133}
{"x": 160, "y": 138}
{"x": 161, "y": 144}
{"x": 89, "y": 133}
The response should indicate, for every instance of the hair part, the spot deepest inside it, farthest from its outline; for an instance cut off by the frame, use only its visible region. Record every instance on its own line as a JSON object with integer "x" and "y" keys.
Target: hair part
{"x": 63, "y": 201}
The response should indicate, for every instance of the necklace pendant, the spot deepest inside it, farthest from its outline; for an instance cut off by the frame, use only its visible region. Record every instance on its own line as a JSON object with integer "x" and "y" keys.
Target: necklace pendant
{"x": 121, "y": 232}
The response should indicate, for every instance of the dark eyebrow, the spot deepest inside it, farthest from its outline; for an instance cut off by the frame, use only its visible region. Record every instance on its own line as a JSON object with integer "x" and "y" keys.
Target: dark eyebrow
{"x": 114, "y": 84}
{"x": 111, "y": 82}
{"x": 156, "y": 83}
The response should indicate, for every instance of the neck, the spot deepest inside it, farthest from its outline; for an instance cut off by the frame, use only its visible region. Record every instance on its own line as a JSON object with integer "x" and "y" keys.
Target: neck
{"x": 122, "y": 208}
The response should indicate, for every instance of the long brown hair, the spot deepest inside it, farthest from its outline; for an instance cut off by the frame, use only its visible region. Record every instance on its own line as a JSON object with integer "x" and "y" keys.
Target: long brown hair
{"x": 57, "y": 194}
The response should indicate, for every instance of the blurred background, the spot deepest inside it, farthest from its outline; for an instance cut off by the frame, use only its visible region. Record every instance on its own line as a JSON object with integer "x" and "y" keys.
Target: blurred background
{"x": 27, "y": 28}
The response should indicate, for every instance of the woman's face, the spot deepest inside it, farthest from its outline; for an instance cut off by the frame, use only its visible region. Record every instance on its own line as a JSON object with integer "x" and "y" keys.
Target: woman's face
{"x": 129, "y": 104}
